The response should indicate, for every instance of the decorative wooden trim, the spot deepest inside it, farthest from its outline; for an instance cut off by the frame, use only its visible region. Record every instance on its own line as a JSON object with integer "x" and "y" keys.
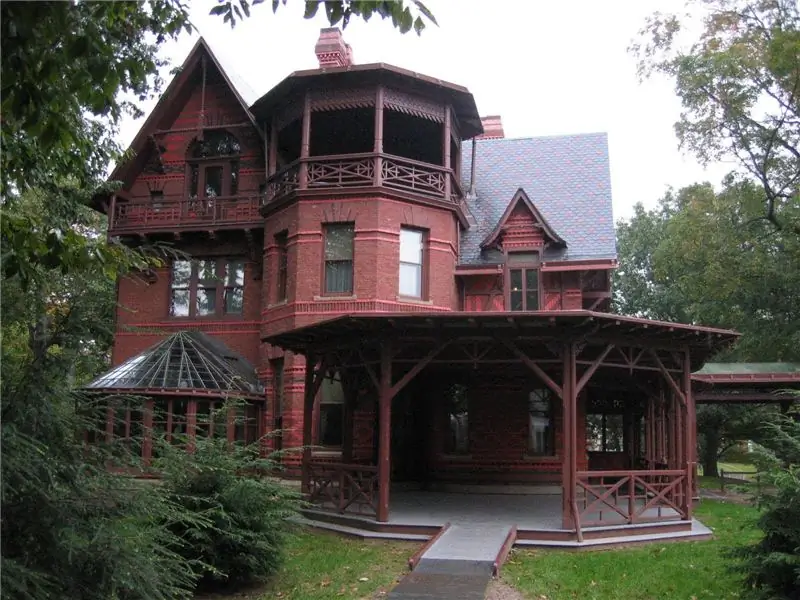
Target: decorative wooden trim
{"x": 291, "y": 111}
{"x": 341, "y": 99}
{"x": 416, "y": 106}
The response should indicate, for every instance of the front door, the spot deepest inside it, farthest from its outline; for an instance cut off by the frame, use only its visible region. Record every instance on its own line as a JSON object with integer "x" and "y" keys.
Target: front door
{"x": 409, "y": 436}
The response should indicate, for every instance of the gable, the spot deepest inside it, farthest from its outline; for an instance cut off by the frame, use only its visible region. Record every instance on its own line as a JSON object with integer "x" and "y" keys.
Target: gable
{"x": 521, "y": 226}
{"x": 199, "y": 96}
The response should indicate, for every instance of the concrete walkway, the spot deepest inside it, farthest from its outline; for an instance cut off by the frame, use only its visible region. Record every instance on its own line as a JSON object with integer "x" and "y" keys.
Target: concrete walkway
{"x": 457, "y": 566}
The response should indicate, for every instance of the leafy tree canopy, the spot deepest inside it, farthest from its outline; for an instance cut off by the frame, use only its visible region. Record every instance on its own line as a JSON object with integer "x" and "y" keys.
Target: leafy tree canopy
{"x": 739, "y": 85}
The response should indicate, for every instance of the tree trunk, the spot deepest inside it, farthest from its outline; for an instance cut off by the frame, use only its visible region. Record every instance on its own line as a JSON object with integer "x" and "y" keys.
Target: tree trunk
{"x": 710, "y": 455}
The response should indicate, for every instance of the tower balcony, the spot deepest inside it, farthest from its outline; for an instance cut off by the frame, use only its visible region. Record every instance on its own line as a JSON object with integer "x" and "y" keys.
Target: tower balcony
{"x": 367, "y": 173}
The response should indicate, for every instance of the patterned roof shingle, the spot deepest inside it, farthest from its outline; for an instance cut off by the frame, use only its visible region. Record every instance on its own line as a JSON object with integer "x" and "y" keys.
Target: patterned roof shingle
{"x": 566, "y": 177}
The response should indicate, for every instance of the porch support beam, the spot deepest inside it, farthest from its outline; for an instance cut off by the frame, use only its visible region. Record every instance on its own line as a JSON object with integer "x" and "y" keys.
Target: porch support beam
{"x": 675, "y": 388}
{"x": 406, "y": 379}
{"x": 690, "y": 426}
{"x": 592, "y": 368}
{"x": 526, "y": 360}
{"x": 305, "y": 142}
{"x": 313, "y": 381}
{"x": 384, "y": 432}
{"x": 569, "y": 465}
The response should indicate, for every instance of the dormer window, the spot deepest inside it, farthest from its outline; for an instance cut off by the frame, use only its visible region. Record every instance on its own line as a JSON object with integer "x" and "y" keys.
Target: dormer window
{"x": 213, "y": 164}
{"x": 523, "y": 281}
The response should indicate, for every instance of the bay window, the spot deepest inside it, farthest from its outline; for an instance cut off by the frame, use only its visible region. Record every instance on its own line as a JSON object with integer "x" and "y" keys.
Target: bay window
{"x": 206, "y": 287}
{"x": 411, "y": 262}
{"x": 338, "y": 276}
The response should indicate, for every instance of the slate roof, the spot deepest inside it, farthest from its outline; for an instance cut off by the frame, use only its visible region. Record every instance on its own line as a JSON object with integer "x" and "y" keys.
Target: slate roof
{"x": 566, "y": 177}
{"x": 186, "y": 360}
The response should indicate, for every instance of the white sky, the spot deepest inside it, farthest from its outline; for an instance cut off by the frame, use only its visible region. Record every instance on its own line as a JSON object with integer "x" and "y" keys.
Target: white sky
{"x": 546, "y": 67}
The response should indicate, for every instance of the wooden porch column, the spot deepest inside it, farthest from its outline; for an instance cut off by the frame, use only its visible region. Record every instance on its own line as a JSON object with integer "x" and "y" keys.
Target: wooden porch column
{"x": 446, "y": 151}
{"x": 690, "y": 426}
{"x": 350, "y": 397}
{"x": 378, "y": 147}
{"x": 570, "y": 439}
{"x": 384, "y": 432}
{"x": 305, "y": 143}
{"x": 272, "y": 153}
{"x": 191, "y": 425}
{"x": 308, "y": 421}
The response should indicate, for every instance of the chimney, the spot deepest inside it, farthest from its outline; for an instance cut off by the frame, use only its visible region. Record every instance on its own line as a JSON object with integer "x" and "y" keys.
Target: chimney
{"x": 492, "y": 128}
{"x": 331, "y": 49}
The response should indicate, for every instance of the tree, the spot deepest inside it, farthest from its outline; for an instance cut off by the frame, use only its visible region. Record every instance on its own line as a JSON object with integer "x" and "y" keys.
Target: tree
{"x": 771, "y": 565}
{"x": 701, "y": 256}
{"x": 739, "y": 85}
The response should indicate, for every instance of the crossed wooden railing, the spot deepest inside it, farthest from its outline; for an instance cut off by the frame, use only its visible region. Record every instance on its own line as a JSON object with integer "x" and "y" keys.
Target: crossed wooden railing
{"x": 605, "y": 497}
{"x": 365, "y": 170}
{"x": 344, "y": 487}
{"x": 186, "y": 213}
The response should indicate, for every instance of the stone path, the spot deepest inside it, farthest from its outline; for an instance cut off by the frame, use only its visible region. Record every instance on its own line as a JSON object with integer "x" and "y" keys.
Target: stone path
{"x": 457, "y": 566}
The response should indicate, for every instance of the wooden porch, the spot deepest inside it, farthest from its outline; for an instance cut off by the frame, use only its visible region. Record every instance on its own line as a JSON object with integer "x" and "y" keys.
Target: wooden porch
{"x": 563, "y": 351}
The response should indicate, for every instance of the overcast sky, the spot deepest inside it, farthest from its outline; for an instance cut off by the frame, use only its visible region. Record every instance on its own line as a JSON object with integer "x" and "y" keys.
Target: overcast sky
{"x": 547, "y": 68}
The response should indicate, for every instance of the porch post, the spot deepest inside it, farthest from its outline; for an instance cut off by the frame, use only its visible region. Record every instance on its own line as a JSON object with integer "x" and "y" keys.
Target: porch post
{"x": 308, "y": 422}
{"x": 305, "y": 143}
{"x": 350, "y": 392}
{"x": 690, "y": 426}
{"x": 378, "y": 142}
{"x": 147, "y": 426}
{"x": 570, "y": 438}
{"x": 384, "y": 432}
{"x": 446, "y": 152}
{"x": 191, "y": 425}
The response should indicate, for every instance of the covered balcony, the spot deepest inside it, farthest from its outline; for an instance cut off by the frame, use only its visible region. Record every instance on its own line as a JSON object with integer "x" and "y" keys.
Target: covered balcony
{"x": 366, "y": 129}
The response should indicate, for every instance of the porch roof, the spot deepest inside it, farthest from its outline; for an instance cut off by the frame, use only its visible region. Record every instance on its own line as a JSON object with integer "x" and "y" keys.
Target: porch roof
{"x": 558, "y": 325}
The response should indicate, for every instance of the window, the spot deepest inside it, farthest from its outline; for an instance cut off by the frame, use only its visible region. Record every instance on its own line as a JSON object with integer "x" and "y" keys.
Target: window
{"x": 246, "y": 423}
{"x": 523, "y": 281}
{"x": 206, "y": 287}
{"x": 457, "y": 438}
{"x": 157, "y": 199}
{"x": 541, "y": 430}
{"x": 411, "y": 241}
{"x": 281, "y": 241}
{"x": 605, "y": 432}
{"x": 339, "y": 258}
{"x": 331, "y": 412}
{"x": 213, "y": 165}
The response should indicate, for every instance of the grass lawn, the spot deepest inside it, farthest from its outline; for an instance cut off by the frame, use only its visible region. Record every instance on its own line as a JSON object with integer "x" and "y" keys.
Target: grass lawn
{"x": 322, "y": 566}
{"x": 681, "y": 570}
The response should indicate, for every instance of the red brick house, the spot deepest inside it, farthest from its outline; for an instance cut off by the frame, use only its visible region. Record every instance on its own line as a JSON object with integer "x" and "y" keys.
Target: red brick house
{"x": 418, "y": 297}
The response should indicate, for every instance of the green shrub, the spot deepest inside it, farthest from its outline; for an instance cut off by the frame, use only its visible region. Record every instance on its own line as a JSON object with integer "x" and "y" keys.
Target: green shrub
{"x": 242, "y": 535}
{"x": 772, "y": 565}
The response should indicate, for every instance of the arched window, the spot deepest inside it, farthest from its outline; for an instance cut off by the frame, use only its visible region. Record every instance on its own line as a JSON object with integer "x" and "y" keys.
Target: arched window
{"x": 213, "y": 165}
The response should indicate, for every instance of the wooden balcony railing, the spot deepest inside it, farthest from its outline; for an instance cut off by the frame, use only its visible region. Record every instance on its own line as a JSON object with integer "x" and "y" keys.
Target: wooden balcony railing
{"x": 367, "y": 170}
{"x": 185, "y": 214}
{"x": 344, "y": 487}
{"x": 610, "y": 497}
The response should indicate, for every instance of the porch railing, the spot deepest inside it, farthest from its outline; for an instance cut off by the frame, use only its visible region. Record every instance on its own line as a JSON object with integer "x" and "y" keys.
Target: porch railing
{"x": 185, "y": 213}
{"x": 365, "y": 170}
{"x": 606, "y": 497}
{"x": 344, "y": 487}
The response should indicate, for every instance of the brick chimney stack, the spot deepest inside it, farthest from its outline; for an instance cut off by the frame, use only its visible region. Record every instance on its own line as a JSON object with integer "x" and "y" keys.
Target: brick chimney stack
{"x": 492, "y": 128}
{"x": 331, "y": 49}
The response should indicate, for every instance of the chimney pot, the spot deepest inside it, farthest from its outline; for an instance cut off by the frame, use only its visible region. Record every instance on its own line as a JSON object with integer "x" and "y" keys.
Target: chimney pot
{"x": 492, "y": 128}
{"x": 331, "y": 49}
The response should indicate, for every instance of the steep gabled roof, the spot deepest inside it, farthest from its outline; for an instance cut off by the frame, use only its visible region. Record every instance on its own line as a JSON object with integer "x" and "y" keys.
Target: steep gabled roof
{"x": 126, "y": 168}
{"x": 185, "y": 361}
{"x": 521, "y": 197}
{"x": 570, "y": 179}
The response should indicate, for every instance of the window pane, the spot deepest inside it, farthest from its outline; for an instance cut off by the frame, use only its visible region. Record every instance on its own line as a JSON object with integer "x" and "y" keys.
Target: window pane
{"x": 515, "y": 280}
{"x": 411, "y": 246}
{"x": 234, "y": 273}
{"x": 331, "y": 417}
{"x": 532, "y": 301}
{"x": 181, "y": 273}
{"x": 410, "y": 280}
{"x": 207, "y": 270}
{"x": 234, "y": 178}
{"x": 213, "y": 182}
{"x": 234, "y": 300}
{"x": 206, "y": 301}
{"x": 516, "y": 301}
{"x": 339, "y": 241}
{"x": 457, "y": 442}
{"x": 594, "y": 433}
{"x": 339, "y": 277}
{"x": 540, "y": 423}
{"x": 614, "y": 433}
{"x": 531, "y": 279}
{"x": 179, "y": 303}
{"x": 331, "y": 390}
{"x": 193, "y": 178}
